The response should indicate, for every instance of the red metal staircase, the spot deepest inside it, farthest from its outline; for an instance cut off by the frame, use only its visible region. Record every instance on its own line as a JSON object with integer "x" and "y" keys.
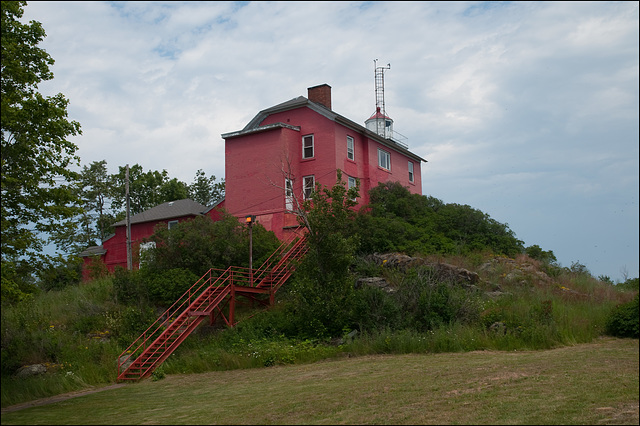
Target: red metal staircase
{"x": 210, "y": 296}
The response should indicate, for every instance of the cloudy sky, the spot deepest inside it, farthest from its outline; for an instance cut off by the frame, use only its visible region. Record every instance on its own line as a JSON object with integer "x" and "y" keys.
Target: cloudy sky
{"x": 527, "y": 111}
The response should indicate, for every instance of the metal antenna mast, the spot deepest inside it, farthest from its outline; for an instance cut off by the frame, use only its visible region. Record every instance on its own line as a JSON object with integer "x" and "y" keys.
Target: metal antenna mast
{"x": 379, "y": 78}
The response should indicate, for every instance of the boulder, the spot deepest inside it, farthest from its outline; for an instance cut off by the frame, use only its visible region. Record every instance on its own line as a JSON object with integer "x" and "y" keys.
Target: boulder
{"x": 377, "y": 282}
{"x": 31, "y": 370}
{"x": 444, "y": 271}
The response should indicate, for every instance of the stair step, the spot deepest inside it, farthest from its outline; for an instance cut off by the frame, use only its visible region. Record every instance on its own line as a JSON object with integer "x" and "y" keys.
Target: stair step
{"x": 204, "y": 304}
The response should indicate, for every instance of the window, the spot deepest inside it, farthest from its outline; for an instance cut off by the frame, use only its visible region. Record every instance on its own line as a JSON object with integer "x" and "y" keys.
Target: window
{"x": 384, "y": 159}
{"x": 172, "y": 223}
{"x": 307, "y": 146}
{"x": 308, "y": 186}
{"x": 145, "y": 254}
{"x": 288, "y": 194}
{"x": 410, "y": 171}
{"x": 351, "y": 183}
{"x": 350, "y": 149}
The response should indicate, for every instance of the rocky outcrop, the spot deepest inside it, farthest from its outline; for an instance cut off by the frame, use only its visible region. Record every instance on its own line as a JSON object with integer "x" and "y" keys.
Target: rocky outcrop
{"x": 377, "y": 282}
{"x": 444, "y": 271}
{"x": 31, "y": 370}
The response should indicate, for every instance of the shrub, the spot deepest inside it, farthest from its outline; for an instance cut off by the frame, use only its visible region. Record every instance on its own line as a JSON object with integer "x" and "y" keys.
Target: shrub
{"x": 158, "y": 374}
{"x": 375, "y": 309}
{"x": 128, "y": 287}
{"x": 624, "y": 320}
{"x": 131, "y": 322}
{"x": 165, "y": 287}
{"x": 60, "y": 273}
{"x": 630, "y": 284}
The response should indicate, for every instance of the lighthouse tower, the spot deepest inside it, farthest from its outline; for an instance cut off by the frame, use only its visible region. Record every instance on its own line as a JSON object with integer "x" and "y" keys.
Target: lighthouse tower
{"x": 380, "y": 124}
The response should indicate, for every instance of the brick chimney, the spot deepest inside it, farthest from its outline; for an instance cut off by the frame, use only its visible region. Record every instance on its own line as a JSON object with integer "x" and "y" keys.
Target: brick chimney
{"x": 320, "y": 94}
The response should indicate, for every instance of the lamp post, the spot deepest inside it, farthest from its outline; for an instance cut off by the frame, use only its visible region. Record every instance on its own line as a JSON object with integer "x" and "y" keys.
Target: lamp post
{"x": 250, "y": 219}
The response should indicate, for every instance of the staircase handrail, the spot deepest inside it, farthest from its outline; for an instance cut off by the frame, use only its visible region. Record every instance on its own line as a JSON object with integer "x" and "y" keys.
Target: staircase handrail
{"x": 179, "y": 305}
{"x": 235, "y": 275}
{"x": 275, "y": 261}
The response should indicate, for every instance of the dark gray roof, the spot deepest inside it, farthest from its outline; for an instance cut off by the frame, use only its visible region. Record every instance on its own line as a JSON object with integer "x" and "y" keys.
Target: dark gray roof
{"x": 169, "y": 210}
{"x": 93, "y": 251}
{"x": 260, "y": 129}
{"x": 301, "y": 101}
{"x": 216, "y": 204}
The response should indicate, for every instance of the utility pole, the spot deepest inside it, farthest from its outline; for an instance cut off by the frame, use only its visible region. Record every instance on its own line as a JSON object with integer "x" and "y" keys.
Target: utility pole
{"x": 129, "y": 256}
{"x": 250, "y": 220}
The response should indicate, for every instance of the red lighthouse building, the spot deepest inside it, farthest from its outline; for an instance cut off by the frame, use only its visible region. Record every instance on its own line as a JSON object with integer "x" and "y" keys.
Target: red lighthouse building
{"x": 285, "y": 150}
{"x": 275, "y": 162}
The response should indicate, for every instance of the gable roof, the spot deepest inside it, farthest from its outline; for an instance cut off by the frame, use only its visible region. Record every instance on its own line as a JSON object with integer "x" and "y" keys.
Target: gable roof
{"x": 168, "y": 210}
{"x": 301, "y": 101}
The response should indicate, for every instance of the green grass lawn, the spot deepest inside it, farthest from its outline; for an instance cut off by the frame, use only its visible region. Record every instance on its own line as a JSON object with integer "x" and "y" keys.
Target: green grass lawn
{"x": 594, "y": 383}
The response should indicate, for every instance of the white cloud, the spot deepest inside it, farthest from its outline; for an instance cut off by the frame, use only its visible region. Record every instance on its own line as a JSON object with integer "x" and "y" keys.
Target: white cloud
{"x": 527, "y": 111}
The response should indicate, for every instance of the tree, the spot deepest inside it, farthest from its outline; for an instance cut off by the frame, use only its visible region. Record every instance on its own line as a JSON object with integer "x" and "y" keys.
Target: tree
{"x": 172, "y": 190}
{"x": 536, "y": 252}
{"x": 323, "y": 288}
{"x": 96, "y": 192}
{"x": 397, "y": 220}
{"x": 36, "y": 153}
{"x": 146, "y": 189}
{"x": 93, "y": 192}
{"x": 205, "y": 190}
{"x": 200, "y": 244}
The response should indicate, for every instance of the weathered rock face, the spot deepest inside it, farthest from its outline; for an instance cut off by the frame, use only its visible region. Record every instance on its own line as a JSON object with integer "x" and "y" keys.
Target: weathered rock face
{"x": 377, "y": 282}
{"x": 515, "y": 272}
{"x": 444, "y": 271}
{"x": 31, "y": 370}
{"x": 126, "y": 361}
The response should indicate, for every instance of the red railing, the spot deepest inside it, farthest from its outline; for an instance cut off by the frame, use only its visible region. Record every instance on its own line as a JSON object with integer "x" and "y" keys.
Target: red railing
{"x": 201, "y": 300}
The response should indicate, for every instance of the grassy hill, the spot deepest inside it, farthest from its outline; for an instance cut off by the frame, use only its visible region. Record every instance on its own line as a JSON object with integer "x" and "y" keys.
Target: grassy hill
{"x": 514, "y": 304}
{"x": 591, "y": 383}
{"x": 469, "y": 285}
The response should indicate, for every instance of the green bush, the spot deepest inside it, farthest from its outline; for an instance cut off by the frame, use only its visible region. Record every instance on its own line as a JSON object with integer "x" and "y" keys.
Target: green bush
{"x": 60, "y": 273}
{"x": 165, "y": 287}
{"x": 131, "y": 322}
{"x": 200, "y": 244}
{"x": 375, "y": 309}
{"x": 631, "y": 284}
{"x": 128, "y": 287}
{"x": 624, "y": 320}
{"x": 397, "y": 220}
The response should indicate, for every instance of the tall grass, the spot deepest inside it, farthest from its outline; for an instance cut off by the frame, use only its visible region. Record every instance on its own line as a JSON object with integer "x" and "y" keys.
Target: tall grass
{"x": 79, "y": 331}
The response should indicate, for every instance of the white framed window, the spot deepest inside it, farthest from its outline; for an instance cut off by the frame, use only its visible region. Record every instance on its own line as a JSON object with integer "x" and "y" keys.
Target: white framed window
{"x": 308, "y": 184}
{"x": 350, "y": 148}
{"x": 351, "y": 183}
{"x": 384, "y": 159}
{"x": 288, "y": 194}
{"x": 172, "y": 223}
{"x": 307, "y": 146}
{"x": 410, "y": 171}
{"x": 144, "y": 253}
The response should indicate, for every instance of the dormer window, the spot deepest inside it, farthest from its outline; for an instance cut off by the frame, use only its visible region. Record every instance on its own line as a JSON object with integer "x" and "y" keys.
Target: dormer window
{"x": 307, "y": 146}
